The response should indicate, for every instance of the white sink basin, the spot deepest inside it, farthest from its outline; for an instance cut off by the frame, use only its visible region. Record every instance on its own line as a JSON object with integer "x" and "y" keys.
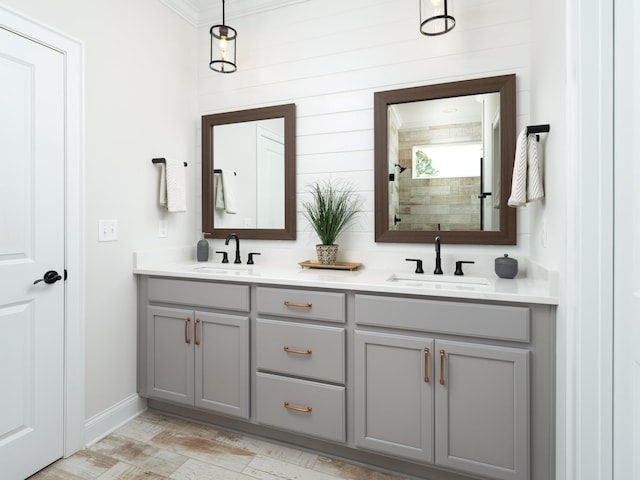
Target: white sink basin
{"x": 441, "y": 281}
{"x": 221, "y": 269}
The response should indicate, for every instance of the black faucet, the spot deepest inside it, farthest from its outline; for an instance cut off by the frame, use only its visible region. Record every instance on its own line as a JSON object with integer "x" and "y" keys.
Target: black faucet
{"x": 226, "y": 242}
{"x": 438, "y": 270}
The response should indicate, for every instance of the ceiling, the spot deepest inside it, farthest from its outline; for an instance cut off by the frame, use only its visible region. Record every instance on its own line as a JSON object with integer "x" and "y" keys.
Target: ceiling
{"x": 207, "y": 12}
{"x": 443, "y": 111}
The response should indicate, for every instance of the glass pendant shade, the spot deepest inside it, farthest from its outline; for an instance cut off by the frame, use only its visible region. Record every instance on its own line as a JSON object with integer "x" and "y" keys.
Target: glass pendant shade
{"x": 435, "y": 17}
{"x": 223, "y": 47}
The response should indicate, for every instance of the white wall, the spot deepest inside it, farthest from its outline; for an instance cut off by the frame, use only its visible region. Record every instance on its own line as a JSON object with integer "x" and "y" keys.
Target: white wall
{"x": 330, "y": 57}
{"x": 139, "y": 104}
{"x": 549, "y": 87}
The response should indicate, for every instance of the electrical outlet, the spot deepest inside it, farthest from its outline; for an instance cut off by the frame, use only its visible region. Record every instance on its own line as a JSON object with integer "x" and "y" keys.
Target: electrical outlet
{"x": 163, "y": 229}
{"x": 107, "y": 230}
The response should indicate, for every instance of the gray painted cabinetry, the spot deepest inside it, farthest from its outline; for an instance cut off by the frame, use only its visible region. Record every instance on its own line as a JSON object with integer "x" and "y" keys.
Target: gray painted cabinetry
{"x": 301, "y": 365}
{"x": 457, "y": 404}
{"x": 430, "y": 388}
{"x": 194, "y": 357}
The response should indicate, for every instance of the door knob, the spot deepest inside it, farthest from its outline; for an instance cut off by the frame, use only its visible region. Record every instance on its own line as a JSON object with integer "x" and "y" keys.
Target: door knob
{"x": 49, "y": 277}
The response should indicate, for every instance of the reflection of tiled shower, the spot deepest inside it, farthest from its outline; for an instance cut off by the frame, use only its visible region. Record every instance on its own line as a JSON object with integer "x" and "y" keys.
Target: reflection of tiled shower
{"x": 436, "y": 203}
{"x": 439, "y": 203}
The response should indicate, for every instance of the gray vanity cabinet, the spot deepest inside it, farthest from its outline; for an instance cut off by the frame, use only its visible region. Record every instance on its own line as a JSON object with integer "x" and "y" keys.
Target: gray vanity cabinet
{"x": 482, "y": 409}
{"x": 426, "y": 386}
{"x": 394, "y": 394}
{"x": 170, "y": 358}
{"x": 457, "y": 404}
{"x": 195, "y": 357}
{"x": 300, "y": 382}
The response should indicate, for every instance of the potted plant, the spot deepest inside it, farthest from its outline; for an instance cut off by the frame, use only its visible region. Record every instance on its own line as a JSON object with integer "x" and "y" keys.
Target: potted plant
{"x": 332, "y": 207}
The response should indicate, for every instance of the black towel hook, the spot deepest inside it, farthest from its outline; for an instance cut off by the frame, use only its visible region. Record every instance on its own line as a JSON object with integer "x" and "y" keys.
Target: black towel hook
{"x": 219, "y": 170}
{"x": 531, "y": 129}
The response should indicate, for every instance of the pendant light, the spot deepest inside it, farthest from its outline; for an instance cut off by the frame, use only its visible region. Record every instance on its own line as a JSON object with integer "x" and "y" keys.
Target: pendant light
{"x": 435, "y": 17}
{"x": 223, "y": 47}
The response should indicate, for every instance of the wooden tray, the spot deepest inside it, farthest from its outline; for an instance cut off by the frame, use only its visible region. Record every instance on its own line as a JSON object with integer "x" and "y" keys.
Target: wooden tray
{"x": 335, "y": 266}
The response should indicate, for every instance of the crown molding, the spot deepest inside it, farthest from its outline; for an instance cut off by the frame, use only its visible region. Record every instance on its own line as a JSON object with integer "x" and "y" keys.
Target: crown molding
{"x": 202, "y": 13}
{"x": 184, "y": 8}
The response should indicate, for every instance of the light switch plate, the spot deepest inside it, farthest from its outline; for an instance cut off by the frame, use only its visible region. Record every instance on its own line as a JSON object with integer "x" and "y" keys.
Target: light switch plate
{"x": 107, "y": 230}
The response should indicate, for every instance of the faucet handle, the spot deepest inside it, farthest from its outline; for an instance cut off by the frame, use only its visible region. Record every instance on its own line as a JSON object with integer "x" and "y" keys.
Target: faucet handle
{"x": 250, "y": 260}
{"x": 418, "y": 264}
{"x": 225, "y": 258}
{"x": 459, "y": 266}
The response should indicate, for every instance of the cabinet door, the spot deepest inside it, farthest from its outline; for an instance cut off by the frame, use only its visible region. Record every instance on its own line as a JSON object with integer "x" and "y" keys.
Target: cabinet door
{"x": 482, "y": 409}
{"x": 394, "y": 394}
{"x": 170, "y": 354}
{"x": 222, "y": 363}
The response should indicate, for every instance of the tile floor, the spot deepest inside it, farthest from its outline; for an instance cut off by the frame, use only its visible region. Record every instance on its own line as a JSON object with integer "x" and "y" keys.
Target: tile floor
{"x": 157, "y": 446}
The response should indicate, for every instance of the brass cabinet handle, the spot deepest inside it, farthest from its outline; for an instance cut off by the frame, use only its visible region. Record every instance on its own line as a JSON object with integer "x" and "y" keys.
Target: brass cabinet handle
{"x": 426, "y": 365}
{"x": 298, "y": 352}
{"x": 441, "y": 367}
{"x": 287, "y": 303}
{"x": 195, "y": 332}
{"x": 186, "y": 330}
{"x": 297, "y": 409}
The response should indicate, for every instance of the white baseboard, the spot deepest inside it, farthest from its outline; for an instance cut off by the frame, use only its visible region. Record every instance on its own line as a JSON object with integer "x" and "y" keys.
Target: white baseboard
{"x": 102, "y": 424}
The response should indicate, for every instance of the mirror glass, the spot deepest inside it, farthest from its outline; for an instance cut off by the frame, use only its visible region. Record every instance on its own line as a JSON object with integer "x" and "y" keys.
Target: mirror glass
{"x": 248, "y": 173}
{"x": 443, "y": 162}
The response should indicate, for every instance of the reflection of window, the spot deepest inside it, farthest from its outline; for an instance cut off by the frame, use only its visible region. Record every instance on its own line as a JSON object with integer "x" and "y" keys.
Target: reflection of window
{"x": 446, "y": 161}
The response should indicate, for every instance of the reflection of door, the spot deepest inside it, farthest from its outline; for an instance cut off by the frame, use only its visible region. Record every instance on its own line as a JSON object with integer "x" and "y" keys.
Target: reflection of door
{"x": 32, "y": 149}
{"x": 269, "y": 180}
{"x": 495, "y": 174}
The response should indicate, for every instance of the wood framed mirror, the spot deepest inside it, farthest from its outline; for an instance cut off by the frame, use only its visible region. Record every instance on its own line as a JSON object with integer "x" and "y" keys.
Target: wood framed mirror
{"x": 443, "y": 159}
{"x": 248, "y": 173}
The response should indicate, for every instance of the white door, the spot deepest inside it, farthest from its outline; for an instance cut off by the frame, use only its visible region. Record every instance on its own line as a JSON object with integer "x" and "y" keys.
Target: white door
{"x": 32, "y": 150}
{"x": 626, "y": 326}
{"x": 270, "y": 179}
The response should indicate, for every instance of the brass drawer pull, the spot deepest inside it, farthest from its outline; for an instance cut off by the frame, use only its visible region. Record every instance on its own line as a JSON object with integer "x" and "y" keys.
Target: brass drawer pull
{"x": 287, "y": 303}
{"x": 195, "y": 332}
{"x": 426, "y": 365}
{"x": 297, "y": 409}
{"x": 186, "y": 330}
{"x": 298, "y": 352}
{"x": 441, "y": 367}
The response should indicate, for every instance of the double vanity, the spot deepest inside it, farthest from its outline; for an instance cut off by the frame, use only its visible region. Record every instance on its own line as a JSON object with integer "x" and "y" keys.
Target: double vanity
{"x": 444, "y": 378}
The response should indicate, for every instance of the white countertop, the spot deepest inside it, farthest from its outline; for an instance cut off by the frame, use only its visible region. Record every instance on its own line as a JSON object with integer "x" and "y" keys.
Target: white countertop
{"x": 539, "y": 288}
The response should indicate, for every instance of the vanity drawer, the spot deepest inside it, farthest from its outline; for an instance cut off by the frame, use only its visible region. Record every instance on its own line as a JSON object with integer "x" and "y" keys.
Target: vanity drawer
{"x": 286, "y": 302}
{"x": 312, "y": 351}
{"x": 474, "y": 319}
{"x": 305, "y": 407}
{"x": 199, "y": 294}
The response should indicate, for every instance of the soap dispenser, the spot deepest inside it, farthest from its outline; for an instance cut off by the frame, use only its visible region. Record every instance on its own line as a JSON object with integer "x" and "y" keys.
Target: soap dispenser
{"x": 202, "y": 249}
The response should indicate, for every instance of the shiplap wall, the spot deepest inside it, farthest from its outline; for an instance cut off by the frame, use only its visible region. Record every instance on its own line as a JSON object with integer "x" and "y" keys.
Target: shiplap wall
{"x": 329, "y": 57}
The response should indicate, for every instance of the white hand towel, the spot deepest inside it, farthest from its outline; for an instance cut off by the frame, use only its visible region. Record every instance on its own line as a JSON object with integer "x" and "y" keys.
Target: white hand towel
{"x": 218, "y": 191}
{"x": 173, "y": 192}
{"x": 526, "y": 184}
{"x": 229, "y": 190}
{"x": 535, "y": 190}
